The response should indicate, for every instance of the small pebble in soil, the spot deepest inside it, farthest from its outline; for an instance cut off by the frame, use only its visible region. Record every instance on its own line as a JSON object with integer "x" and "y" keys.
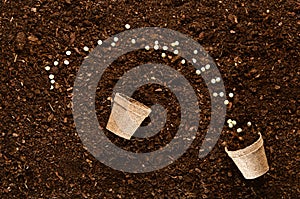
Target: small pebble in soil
{"x": 113, "y": 44}
{"x": 116, "y": 39}
{"x": 239, "y": 130}
{"x": 230, "y": 95}
{"x": 195, "y": 52}
{"x": 221, "y": 94}
{"x": 86, "y": 49}
{"x": 99, "y": 42}
{"x": 47, "y": 68}
{"x": 55, "y": 63}
{"x": 51, "y": 76}
{"x": 127, "y": 26}
{"x": 226, "y": 102}
{"x": 165, "y": 47}
{"x": 52, "y": 81}
{"x": 198, "y": 72}
{"x": 66, "y": 62}
{"x": 194, "y": 60}
{"x": 156, "y": 47}
{"x": 68, "y": 53}
{"x": 183, "y": 62}
{"x": 249, "y": 124}
{"x": 202, "y": 69}
{"x": 133, "y": 41}
{"x": 213, "y": 81}
{"x": 147, "y": 47}
{"x": 176, "y": 52}
{"x": 163, "y": 55}
{"x": 207, "y": 67}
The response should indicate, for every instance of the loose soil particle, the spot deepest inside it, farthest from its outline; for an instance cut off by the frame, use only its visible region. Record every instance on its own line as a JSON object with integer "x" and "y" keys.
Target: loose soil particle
{"x": 255, "y": 44}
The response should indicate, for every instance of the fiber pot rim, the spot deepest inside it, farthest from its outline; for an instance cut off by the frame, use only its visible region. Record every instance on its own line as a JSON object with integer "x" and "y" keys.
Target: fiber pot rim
{"x": 247, "y": 150}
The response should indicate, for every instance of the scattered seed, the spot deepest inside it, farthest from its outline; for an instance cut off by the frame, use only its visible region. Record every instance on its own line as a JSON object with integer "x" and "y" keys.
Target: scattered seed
{"x": 51, "y": 87}
{"x": 229, "y": 121}
{"x": 52, "y": 81}
{"x": 165, "y": 48}
{"x": 194, "y": 60}
{"x": 133, "y": 41}
{"x": 230, "y": 95}
{"x": 51, "y": 76}
{"x": 68, "y": 52}
{"x": 156, "y": 42}
{"x": 113, "y": 44}
{"x": 99, "y": 42}
{"x": 239, "y": 130}
{"x": 66, "y": 62}
{"x": 268, "y": 11}
{"x": 234, "y": 122}
{"x": 116, "y": 39}
{"x": 249, "y": 124}
{"x": 215, "y": 94}
{"x": 127, "y": 26}
{"x": 226, "y": 102}
{"x": 147, "y": 47}
{"x": 176, "y": 43}
{"x": 156, "y": 47}
{"x": 221, "y": 94}
{"x": 218, "y": 79}
{"x": 163, "y": 55}
{"x": 55, "y": 63}
{"x": 213, "y": 81}
{"x": 86, "y": 48}
{"x": 195, "y": 52}
{"x": 202, "y": 69}
{"x": 230, "y": 125}
{"x": 47, "y": 68}
{"x": 207, "y": 66}
{"x": 176, "y": 52}
{"x": 198, "y": 72}
{"x": 183, "y": 62}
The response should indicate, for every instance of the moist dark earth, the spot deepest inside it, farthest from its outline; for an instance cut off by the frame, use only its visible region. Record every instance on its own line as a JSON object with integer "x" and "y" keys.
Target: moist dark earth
{"x": 255, "y": 45}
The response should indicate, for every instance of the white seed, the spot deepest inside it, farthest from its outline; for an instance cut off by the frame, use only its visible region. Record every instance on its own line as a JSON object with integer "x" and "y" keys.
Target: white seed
{"x": 183, "y": 62}
{"x": 194, "y": 60}
{"x": 163, "y": 55}
{"x": 198, "y": 72}
{"x": 239, "y": 130}
{"x": 51, "y": 87}
{"x": 215, "y": 94}
{"x": 147, "y": 47}
{"x": 195, "y": 52}
{"x": 133, "y": 41}
{"x": 116, "y": 39}
{"x": 99, "y": 42}
{"x": 51, "y": 76}
{"x": 202, "y": 69}
{"x": 127, "y": 26}
{"x": 230, "y": 95}
{"x": 156, "y": 42}
{"x": 86, "y": 48}
{"x": 213, "y": 81}
{"x": 230, "y": 125}
{"x": 229, "y": 121}
{"x": 66, "y": 62}
{"x": 218, "y": 79}
{"x": 173, "y": 44}
{"x": 68, "y": 52}
{"x": 47, "y": 68}
{"x": 249, "y": 124}
{"x": 234, "y": 122}
{"x": 165, "y": 47}
{"x": 207, "y": 66}
{"x": 113, "y": 44}
{"x": 268, "y": 11}
{"x": 156, "y": 47}
{"x": 221, "y": 94}
{"x": 176, "y": 43}
{"x": 176, "y": 52}
{"x": 55, "y": 63}
{"x": 52, "y": 81}
{"x": 226, "y": 102}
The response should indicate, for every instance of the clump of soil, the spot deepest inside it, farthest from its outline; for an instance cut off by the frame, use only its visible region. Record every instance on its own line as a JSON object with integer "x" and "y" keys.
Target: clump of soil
{"x": 243, "y": 139}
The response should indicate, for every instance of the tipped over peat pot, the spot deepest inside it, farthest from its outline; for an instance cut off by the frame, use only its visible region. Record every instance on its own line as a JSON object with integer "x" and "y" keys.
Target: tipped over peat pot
{"x": 126, "y": 116}
{"x": 251, "y": 160}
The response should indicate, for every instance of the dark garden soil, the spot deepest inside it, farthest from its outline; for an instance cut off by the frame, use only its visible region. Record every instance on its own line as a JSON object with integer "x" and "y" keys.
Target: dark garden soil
{"x": 254, "y": 43}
